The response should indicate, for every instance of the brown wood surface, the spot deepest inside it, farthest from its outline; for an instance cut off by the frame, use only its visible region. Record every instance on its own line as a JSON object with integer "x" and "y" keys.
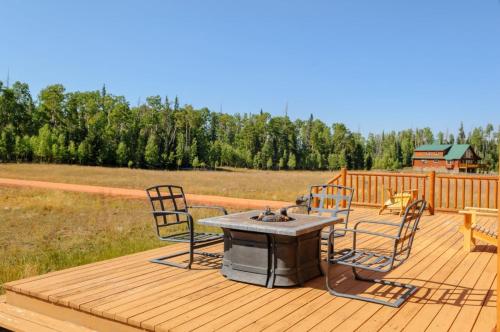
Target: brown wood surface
{"x": 457, "y": 291}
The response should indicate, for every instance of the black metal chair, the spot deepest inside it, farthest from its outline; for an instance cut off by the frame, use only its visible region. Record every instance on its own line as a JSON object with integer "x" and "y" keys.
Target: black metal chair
{"x": 402, "y": 235}
{"x": 328, "y": 199}
{"x": 170, "y": 211}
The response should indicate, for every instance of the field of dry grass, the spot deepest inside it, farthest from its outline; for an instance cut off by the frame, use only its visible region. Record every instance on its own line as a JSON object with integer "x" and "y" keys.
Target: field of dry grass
{"x": 270, "y": 185}
{"x": 45, "y": 230}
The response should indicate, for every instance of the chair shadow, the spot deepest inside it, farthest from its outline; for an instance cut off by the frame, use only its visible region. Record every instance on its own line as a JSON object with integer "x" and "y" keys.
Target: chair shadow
{"x": 206, "y": 263}
{"x": 484, "y": 248}
{"x": 431, "y": 293}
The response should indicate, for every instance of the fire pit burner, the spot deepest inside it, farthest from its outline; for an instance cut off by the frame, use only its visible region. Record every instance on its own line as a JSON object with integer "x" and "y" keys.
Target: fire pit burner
{"x": 269, "y": 216}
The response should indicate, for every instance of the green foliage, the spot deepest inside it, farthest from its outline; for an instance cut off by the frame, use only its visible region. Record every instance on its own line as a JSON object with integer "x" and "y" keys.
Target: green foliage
{"x": 151, "y": 155}
{"x": 292, "y": 161}
{"x": 98, "y": 128}
{"x": 121, "y": 154}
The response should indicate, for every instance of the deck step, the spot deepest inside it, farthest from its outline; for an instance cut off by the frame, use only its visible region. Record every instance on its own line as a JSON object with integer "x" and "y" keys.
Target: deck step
{"x": 18, "y": 319}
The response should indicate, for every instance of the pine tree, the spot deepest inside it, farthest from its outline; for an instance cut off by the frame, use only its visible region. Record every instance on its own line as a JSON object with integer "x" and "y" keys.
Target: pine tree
{"x": 461, "y": 139}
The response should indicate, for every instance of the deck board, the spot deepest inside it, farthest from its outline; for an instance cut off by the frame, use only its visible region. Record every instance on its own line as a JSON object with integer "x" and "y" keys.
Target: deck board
{"x": 457, "y": 290}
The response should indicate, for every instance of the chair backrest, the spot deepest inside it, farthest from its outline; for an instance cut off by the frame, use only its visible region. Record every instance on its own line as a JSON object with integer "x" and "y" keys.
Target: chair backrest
{"x": 329, "y": 198}
{"x": 165, "y": 198}
{"x": 408, "y": 228}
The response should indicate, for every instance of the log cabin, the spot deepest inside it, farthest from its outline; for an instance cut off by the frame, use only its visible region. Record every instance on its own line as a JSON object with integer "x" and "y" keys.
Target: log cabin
{"x": 451, "y": 158}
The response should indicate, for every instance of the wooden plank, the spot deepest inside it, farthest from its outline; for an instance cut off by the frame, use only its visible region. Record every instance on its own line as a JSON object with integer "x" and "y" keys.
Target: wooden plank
{"x": 384, "y": 314}
{"x": 323, "y": 314}
{"x": 476, "y": 298}
{"x": 60, "y": 312}
{"x": 89, "y": 267}
{"x": 399, "y": 318}
{"x": 108, "y": 305}
{"x": 138, "y": 314}
{"x": 415, "y": 276}
{"x": 78, "y": 273}
{"x": 425, "y": 318}
{"x": 19, "y": 319}
{"x": 425, "y": 255}
{"x": 488, "y": 315}
{"x": 18, "y": 324}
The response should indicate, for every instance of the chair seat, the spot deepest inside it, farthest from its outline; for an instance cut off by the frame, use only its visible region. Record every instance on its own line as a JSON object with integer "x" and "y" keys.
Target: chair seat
{"x": 364, "y": 259}
{"x": 197, "y": 238}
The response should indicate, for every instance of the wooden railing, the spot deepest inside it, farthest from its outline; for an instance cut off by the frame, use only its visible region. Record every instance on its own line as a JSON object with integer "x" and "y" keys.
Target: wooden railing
{"x": 455, "y": 192}
{"x": 443, "y": 192}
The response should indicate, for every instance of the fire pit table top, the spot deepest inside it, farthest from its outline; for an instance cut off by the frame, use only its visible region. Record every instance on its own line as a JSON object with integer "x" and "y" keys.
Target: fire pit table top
{"x": 302, "y": 223}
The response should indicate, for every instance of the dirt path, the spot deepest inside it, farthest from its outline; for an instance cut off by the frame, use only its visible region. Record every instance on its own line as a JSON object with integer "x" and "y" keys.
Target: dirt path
{"x": 228, "y": 202}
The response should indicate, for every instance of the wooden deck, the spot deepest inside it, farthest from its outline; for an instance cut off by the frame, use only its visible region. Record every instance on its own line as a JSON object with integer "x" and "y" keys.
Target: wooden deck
{"x": 457, "y": 292}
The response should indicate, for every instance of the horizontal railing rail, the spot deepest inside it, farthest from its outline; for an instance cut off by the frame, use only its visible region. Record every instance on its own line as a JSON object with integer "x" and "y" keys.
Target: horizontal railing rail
{"x": 443, "y": 192}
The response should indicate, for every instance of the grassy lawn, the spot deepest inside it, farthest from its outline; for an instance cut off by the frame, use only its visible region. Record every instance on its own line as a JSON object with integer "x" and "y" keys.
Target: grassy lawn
{"x": 271, "y": 185}
{"x": 44, "y": 230}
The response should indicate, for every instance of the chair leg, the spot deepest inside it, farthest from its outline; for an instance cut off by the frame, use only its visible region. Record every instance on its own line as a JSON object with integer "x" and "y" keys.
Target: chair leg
{"x": 192, "y": 251}
{"x": 410, "y": 290}
{"x": 164, "y": 259}
{"x": 400, "y": 300}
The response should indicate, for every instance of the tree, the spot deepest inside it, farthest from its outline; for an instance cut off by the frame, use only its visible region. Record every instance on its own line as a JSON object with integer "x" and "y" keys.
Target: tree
{"x": 121, "y": 154}
{"x": 84, "y": 153}
{"x": 43, "y": 150}
{"x": 99, "y": 128}
{"x": 151, "y": 154}
{"x": 72, "y": 152}
{"x": 269, "y": 164}
{"x": 461, "y": 139}
{"x": 7, "y": 143}
{"x": 23, "y": 149}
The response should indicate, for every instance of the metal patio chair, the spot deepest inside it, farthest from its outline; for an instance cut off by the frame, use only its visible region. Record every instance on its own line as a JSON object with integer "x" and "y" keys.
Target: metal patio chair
{"x": 170, "y": 212}
{"x": 328, "y": 199}
{"x": 402, "y": 235}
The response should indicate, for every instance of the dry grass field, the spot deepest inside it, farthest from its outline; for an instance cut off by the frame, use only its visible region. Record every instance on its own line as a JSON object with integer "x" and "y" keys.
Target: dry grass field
{"x": 269, "y": 185}
{"x": 45, "y": 230}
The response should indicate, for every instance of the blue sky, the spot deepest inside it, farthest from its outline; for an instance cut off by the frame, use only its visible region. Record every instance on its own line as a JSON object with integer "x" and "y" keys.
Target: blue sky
{"x": 374, "y": 65}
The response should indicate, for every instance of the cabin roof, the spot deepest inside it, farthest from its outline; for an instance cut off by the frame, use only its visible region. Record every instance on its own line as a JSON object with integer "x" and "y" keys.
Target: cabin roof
{"x": 433, "y": 147}
{"x": 457, "y": 151}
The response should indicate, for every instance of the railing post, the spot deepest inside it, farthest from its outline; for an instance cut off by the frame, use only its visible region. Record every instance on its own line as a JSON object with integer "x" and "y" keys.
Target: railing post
{"x": 432, "y": 192}
{"x": 315, "y": 202}
{"x": 343, "y": 181}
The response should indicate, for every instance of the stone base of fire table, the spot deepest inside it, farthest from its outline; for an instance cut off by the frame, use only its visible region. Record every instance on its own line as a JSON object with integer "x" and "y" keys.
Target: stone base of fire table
{"x": 271, "y": 253}
{"x": 271, "y": 260}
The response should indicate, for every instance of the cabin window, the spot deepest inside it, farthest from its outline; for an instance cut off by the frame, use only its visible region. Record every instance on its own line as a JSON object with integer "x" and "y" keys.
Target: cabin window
{"x": 435, "y": 161}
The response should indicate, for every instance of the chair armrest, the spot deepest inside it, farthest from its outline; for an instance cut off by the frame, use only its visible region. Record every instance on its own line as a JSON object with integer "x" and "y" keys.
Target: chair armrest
{"x": 331, "y": 238}
{"x": 344, "y": 211}
{"x": 388, "y": 223}
{"x": 361, "y": 231}
{"x": 213, "y": 207}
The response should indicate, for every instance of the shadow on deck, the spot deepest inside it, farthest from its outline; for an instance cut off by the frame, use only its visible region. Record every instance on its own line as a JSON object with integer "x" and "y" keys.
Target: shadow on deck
{"x": 456, "y": 292}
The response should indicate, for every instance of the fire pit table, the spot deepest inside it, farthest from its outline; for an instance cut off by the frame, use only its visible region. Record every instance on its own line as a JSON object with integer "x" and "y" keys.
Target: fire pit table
{"x": 271, "y": 253}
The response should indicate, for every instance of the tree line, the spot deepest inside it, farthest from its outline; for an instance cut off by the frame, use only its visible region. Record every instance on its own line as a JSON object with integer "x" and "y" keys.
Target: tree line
{"x": 98, "y": 128}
